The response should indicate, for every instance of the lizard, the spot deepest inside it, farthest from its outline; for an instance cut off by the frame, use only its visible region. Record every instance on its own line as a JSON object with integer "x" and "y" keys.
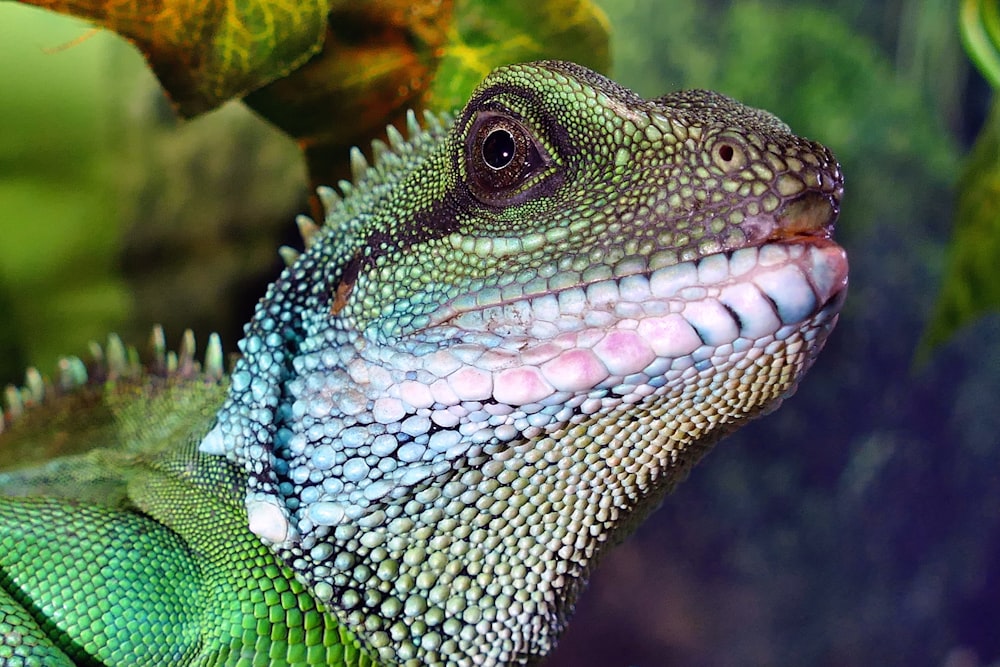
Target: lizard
{"x": 514, "y": 333}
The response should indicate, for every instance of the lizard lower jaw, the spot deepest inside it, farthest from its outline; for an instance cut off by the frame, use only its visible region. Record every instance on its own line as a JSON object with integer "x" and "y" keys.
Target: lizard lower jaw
{"x": 519, "y": 368}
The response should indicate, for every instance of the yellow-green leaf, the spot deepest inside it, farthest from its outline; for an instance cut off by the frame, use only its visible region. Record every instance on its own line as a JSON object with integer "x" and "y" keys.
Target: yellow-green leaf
{"x": 494, "y": 32}
{"x": 207, "y": 52}
{"x": 979, "y": 21}
{"x": 971, "y": 283}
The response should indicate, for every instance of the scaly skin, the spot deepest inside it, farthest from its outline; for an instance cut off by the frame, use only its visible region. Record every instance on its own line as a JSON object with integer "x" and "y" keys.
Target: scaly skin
{"x": 509, "y": 340}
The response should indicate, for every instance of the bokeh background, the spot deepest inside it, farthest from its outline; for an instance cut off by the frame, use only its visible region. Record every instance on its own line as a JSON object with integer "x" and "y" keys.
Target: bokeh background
{"x": 858, "y": 525}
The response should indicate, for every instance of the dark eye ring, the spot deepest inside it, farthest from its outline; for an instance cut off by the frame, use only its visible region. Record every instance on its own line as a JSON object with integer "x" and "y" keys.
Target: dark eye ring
{"x": 502, "y": 156}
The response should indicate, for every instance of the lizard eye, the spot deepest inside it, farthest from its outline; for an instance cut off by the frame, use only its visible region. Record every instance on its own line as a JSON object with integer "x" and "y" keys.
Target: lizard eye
{"x": 503, "y": 159}
{"x": 499, "y": 148}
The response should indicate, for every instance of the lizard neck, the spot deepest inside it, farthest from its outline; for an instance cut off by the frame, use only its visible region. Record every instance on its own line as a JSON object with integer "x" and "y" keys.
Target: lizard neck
{"x": 444, "y": 546}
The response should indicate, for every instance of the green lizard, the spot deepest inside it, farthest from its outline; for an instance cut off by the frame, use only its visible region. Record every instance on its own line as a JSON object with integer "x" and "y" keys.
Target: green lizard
{"x": 514, "y": 333}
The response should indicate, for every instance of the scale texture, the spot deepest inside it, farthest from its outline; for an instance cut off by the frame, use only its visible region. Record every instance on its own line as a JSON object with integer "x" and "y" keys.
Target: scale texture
{"x": 516, "y": 330}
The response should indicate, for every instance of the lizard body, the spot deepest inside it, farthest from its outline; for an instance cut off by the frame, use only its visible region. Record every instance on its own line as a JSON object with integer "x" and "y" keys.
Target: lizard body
{"x": 514, "y": 333}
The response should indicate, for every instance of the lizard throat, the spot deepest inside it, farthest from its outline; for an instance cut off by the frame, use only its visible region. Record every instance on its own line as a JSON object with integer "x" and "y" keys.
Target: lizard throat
{"x": 412, "y": 456}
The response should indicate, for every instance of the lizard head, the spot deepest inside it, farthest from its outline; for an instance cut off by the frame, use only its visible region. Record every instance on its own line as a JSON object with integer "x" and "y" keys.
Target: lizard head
{"x": 511, "y": 338}
{"x": 552, "y": 171}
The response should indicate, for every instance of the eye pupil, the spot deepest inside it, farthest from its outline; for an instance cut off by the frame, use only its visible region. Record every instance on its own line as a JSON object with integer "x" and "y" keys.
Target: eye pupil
{"x": 499, "y": 148}
{"x": 726, "y": 152}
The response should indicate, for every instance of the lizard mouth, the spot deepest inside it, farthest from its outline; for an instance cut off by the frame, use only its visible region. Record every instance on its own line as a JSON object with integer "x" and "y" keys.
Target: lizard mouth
{"x": 800, "y": 235}
{"x": 633, "y": 324}
{"x": 626, "y": 333}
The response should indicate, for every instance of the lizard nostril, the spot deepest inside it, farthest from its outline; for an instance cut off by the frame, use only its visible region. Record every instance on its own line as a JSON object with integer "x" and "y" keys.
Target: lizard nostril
{"x": 728, "y": 156}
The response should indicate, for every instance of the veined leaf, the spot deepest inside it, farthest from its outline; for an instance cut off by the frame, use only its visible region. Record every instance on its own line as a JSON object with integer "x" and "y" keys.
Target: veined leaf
{"x": 205, "y": 53}
{"x": 328, "y": 71}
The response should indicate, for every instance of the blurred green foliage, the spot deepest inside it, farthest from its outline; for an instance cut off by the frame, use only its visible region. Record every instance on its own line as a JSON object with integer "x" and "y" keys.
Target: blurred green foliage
{"x": 114, "y": 215}
{"x": 59, "y": 227}
{"x": 178, "y": 223}
{"x": 970, "y": 285}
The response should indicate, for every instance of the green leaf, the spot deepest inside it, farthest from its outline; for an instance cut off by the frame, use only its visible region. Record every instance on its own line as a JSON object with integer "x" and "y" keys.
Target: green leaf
{"x": 972, "y": 285}
{"x": 495, "y": 32}
{"x": 207, "y": 52}
{"x": 979, "y": 21}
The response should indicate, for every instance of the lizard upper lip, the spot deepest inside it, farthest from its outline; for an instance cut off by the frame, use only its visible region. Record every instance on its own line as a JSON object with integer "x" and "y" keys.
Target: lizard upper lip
{"x": 810, "y": 216}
